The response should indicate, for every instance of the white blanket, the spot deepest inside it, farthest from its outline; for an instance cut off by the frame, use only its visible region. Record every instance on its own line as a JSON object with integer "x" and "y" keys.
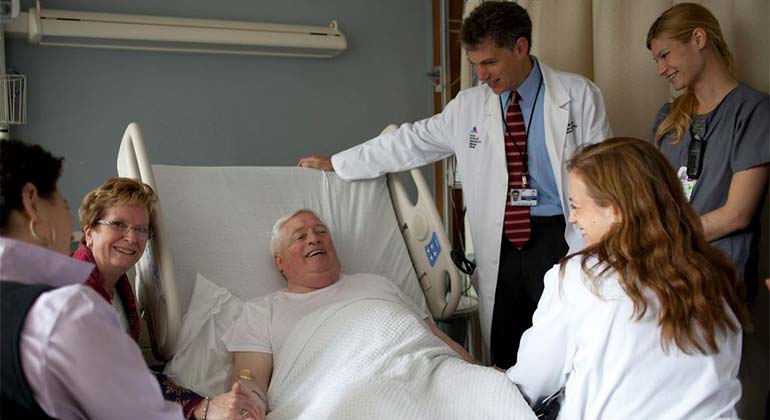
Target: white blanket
{"x": 373, "y": 359}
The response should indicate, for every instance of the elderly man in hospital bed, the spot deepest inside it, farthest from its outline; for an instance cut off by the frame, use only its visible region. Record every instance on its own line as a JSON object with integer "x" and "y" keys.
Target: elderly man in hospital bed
{"x": 334, "y": 345}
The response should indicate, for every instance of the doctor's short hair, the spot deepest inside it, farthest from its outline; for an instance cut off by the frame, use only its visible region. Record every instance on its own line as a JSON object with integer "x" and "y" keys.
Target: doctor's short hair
{"x": 502, "y": 21}
{"x": 276, "y": 238}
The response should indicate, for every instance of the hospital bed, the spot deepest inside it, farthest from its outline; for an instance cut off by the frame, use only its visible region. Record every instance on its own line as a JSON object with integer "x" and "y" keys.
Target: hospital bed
{"x": 209, "y": 254}
{"x": 216, "y": 221}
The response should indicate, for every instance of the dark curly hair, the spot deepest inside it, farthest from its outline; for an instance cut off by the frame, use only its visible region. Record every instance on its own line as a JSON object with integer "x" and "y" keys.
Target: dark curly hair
{"x": 21, "y": 163}
{"x": 502, "y": 21}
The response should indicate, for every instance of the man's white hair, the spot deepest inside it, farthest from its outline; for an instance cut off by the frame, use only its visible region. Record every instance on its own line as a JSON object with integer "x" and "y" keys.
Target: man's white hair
{"x": 276, "y": 238}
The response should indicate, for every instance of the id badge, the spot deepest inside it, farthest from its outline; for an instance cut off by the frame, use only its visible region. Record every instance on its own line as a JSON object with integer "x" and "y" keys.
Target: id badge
{"x": 687, "y": 184}
{"x": 523, "y": 197}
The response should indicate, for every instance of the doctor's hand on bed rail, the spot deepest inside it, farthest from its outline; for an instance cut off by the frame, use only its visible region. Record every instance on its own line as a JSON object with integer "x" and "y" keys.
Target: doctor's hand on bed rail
{"x": 323, "y": 163}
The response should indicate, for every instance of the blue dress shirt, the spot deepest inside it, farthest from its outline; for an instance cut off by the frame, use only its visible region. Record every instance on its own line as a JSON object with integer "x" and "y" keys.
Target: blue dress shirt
{"x": 541, "y": 175}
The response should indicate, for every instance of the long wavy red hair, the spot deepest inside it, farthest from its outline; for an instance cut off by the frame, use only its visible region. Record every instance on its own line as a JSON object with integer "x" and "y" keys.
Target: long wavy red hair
{"x": 659, "y": 246}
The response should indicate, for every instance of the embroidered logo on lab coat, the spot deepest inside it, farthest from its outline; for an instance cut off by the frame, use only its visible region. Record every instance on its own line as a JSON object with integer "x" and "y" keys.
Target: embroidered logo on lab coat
{"x": 473, "y": 138}
{"x": 571, "y": 126}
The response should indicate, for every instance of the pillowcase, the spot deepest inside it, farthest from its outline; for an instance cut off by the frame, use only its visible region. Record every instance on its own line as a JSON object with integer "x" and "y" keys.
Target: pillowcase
{"x": 201, "y": 361}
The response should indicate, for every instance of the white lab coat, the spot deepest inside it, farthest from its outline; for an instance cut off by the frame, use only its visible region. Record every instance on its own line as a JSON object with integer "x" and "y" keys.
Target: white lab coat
{"x": 612, "y": 364}
{"x": 574, "y": 114}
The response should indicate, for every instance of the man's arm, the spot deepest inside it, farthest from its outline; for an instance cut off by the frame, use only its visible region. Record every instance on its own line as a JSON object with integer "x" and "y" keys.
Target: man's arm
{"x": 460, "y": 350}
{"x": 261, "y": 367}
{"x": 743, "y": 197}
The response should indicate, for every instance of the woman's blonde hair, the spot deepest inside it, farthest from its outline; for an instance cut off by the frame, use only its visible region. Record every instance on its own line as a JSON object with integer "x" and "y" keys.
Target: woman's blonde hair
{"x": 116, "y": 192}
{"x": 678, "y": 23}
{"x": 658, "y": 245}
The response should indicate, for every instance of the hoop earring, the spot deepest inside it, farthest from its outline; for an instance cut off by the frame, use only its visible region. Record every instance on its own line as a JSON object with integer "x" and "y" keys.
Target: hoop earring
{"x": 46, "y": 243}
{"x": 34, "y": 233}
{"x": 53, "y": 237}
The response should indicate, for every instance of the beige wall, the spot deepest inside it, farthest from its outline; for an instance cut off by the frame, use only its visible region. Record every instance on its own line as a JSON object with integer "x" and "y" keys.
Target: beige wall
{"x": 605, "y": 41}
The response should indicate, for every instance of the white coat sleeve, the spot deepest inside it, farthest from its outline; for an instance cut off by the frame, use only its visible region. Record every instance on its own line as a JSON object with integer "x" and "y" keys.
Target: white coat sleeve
{"x": 91, "y": 368}
{"x": 596, "y": 126}
{"x": 409, "y": 147}
{"x": 548, "y": 347}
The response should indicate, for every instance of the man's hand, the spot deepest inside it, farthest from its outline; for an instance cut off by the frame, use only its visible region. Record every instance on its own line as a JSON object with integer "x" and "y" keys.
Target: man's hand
{"x": 233, "y": 405}
{"x": 460, "y": 350}
{"x": 261, "y": 367}
{"x": 323, "y": 163}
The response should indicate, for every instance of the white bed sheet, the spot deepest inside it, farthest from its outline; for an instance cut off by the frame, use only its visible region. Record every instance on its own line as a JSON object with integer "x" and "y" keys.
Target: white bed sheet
{"x": 377, "y": 360}
{"x": 220, "y": 220}
{"x": 357, "y": 359}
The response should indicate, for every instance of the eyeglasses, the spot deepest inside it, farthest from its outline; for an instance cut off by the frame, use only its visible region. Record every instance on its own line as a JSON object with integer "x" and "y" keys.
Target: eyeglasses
{"x": 142, "y": 232}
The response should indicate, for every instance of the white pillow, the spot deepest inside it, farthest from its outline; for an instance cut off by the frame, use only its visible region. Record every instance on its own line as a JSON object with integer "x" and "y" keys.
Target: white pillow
{"x": 201, "y": 361}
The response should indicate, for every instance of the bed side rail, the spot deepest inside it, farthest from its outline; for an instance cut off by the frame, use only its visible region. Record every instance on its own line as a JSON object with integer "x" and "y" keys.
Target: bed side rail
{"x": 427, "y": 243}
{"x": 155, "y": 280}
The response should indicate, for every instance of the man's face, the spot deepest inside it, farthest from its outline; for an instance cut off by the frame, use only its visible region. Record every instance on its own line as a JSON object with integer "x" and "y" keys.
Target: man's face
{"x": 501, "y": 68}
{"x": 306, "y": 255}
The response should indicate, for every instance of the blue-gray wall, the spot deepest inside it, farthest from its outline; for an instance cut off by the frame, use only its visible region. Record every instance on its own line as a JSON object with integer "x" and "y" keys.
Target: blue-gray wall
{"x": 198, "y": 109}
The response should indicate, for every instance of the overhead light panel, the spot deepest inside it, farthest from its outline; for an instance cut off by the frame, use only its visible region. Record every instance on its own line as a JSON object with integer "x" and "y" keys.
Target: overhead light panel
{"x": 155, "y": 33}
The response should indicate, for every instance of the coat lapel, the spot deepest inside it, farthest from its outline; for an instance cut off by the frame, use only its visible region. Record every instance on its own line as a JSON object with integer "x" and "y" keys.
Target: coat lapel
{"x": 556, "y": 120}
{"x": 493, "y": 125}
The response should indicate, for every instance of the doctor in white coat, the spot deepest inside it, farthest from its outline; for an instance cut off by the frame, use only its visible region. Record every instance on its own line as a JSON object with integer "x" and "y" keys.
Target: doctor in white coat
{"x": 562, "y": 112}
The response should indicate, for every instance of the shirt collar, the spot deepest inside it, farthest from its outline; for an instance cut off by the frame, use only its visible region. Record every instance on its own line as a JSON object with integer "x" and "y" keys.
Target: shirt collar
{"x": 30, "y": 264}
{"x": 528, "y": 88}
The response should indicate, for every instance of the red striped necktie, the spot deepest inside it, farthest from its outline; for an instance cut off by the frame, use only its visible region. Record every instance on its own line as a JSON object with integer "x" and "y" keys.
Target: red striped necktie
{"x": 516, "y": 224}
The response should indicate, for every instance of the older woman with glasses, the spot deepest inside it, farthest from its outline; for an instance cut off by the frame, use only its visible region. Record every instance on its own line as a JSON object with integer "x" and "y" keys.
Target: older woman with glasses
{"x": 117, "y": 220}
